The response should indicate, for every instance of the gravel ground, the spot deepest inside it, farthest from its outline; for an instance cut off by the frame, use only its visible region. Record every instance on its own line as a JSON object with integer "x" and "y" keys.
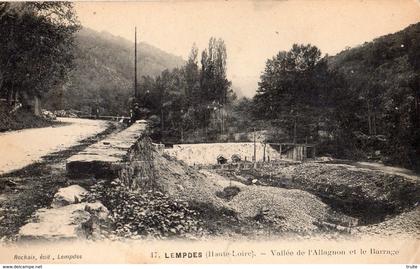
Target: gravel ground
{"x": 369, "y": 195}
{"x": 385, "y": 203}
{"x": 289, "y": 210}
{"x": 403, "y": 226}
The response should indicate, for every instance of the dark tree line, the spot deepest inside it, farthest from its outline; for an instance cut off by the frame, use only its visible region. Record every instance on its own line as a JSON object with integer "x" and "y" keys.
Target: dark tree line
{"x": 36, "y": 42}
{"x": 181, "y": 104}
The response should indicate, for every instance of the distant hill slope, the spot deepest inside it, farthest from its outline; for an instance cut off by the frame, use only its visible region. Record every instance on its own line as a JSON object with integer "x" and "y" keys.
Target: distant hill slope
{"x": 383, "y": 50}
{"x": 383, "y": 76}
{"x": 103, "y": 73}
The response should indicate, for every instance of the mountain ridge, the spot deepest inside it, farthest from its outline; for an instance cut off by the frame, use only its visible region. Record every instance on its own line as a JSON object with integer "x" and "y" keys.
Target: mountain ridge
{"x": 104, "y": 72}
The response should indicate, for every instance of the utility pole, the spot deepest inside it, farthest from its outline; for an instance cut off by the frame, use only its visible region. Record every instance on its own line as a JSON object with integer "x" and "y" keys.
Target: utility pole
{"x": 135, "y": 62}
{"x": 255, "y": 149}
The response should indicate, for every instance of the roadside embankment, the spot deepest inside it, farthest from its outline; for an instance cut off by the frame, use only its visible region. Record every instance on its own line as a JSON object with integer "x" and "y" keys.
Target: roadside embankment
{"x": 19, "y": 119}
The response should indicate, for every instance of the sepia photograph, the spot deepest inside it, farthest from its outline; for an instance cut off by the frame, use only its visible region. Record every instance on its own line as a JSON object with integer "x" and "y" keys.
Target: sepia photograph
{"x": 210, "y": 132}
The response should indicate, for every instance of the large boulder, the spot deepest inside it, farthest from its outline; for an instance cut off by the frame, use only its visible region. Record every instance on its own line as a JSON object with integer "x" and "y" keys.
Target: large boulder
{"x": 69, "y": 195}
{"x": 75, "y": 221}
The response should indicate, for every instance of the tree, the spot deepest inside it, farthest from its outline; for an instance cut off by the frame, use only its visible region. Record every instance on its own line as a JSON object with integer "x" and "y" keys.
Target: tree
{"x": 290, "y": 90}
{"x": 216, "y": 92}
{"x": 192, "y": 77}
{"x": 182, "y": 101}
{"x": 214, "y": 84}
{"x": 36, "y": 48}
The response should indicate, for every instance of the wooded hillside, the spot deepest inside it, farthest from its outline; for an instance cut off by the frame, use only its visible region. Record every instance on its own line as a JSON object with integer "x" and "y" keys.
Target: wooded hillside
{"x": 362, "y": 103}
{"x": 383, "y": 77}
{"x": 103, "y": 75}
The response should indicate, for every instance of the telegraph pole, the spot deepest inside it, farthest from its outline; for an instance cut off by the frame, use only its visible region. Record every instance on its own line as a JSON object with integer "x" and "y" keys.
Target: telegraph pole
{"x": 254, "y": 158}
{"x": 135, "y": 62}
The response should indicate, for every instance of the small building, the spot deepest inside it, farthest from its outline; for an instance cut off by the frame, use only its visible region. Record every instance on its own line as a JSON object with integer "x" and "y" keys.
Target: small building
{"x": 296, "y": 152}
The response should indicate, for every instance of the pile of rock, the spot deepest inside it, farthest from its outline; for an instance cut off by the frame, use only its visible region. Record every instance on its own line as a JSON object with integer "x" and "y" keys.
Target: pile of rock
{"x": 360, "y": 191}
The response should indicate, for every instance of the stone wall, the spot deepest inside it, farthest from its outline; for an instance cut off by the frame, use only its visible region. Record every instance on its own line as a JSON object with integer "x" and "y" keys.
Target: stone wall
{"x": 105, "y": 158}
{"x": 207, "y": 153}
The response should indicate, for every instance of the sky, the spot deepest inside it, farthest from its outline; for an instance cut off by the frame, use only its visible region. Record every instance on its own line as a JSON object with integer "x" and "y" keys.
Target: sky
{"x": 252, "y": 30}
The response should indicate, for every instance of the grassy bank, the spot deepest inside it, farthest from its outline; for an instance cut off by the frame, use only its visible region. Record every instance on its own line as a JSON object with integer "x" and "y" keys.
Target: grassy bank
{"x": 20, "y": 119}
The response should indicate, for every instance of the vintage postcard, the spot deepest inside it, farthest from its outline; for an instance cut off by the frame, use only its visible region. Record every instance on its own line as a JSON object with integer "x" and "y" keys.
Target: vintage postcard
{"x": 137, "y": 132}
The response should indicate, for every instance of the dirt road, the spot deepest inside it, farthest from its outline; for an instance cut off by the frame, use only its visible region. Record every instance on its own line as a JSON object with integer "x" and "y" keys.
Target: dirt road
{"x": 24, "y": 190}
{"x": 388, "y": 169}
{"x": 21, "y": 148}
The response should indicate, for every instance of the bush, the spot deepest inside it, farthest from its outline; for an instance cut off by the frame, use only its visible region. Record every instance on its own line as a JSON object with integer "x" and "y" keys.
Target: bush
{"x": 21, "y": 119}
